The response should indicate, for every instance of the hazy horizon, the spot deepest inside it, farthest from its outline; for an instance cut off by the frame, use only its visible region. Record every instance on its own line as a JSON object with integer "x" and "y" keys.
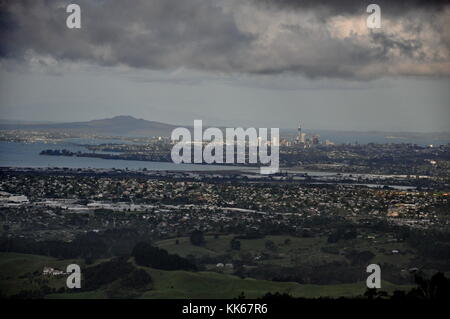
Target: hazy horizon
{"x": 294, "y": 129}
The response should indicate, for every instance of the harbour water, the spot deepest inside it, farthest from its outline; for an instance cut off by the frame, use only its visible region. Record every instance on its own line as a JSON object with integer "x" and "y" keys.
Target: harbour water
{"x": 13, "y": 154}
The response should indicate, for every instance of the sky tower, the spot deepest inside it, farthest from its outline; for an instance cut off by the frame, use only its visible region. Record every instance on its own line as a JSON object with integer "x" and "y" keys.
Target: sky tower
{"x": 301, "y": 136}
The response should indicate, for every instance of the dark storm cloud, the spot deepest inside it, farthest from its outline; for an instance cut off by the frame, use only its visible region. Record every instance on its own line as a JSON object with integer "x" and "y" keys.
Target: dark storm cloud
{"x": 333, "y": 7}
{"x": 156, "y": 34}
{"x": 231, "y": 36}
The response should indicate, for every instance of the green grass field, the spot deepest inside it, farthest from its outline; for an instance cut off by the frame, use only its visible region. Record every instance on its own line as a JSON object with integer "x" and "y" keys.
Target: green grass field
{"x": 298, "y": 251}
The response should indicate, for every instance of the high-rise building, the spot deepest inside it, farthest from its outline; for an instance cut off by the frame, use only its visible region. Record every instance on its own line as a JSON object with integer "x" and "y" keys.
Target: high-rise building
{"x": 315, "y": 139}
{"x": 301, "y": 137}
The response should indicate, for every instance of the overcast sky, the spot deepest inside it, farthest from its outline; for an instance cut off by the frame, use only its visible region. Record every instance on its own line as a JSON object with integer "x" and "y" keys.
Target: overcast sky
{"x": 248, "y": 62}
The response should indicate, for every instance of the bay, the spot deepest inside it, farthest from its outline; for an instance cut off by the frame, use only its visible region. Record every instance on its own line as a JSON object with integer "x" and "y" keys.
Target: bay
{"x": 13, "y": 154}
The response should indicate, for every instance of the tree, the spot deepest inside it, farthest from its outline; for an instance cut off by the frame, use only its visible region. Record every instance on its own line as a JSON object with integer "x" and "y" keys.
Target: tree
{"x": 235, "y": 244}
{"x": 373, "y": 293}
{"x": 146, "y": 255}
{"x": 270, "y": 245}
{"x": 197, "y": 238}
{"x": 106, "y": 272}
{"x": 438, "y": 287}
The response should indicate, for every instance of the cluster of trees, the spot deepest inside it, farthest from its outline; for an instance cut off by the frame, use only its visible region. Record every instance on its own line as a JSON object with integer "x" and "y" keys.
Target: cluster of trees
{"x": 235, "y": 244}
{"x": 342, "y": 233}
{"x": 197, "y": 238}
{"x": 90, "y": 245}
{"x": 430, "y": 244}
{"x": 359, "y": 257}
{"x": 270, "y": 245}
{"x": 116, "y": 269}
{"x": 147, "y": 255}
{"x": 437, "y": 287}
{"x": 325, "y": 274}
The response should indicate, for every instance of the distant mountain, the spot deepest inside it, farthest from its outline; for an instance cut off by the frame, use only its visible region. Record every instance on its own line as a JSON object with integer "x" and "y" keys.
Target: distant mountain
{"x": 116, "y": 126}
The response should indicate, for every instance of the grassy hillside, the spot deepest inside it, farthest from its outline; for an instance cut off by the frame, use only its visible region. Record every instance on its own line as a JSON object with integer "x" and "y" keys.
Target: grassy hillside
{"x": 23, "y": 272}
{"x": 181, "y": 284}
